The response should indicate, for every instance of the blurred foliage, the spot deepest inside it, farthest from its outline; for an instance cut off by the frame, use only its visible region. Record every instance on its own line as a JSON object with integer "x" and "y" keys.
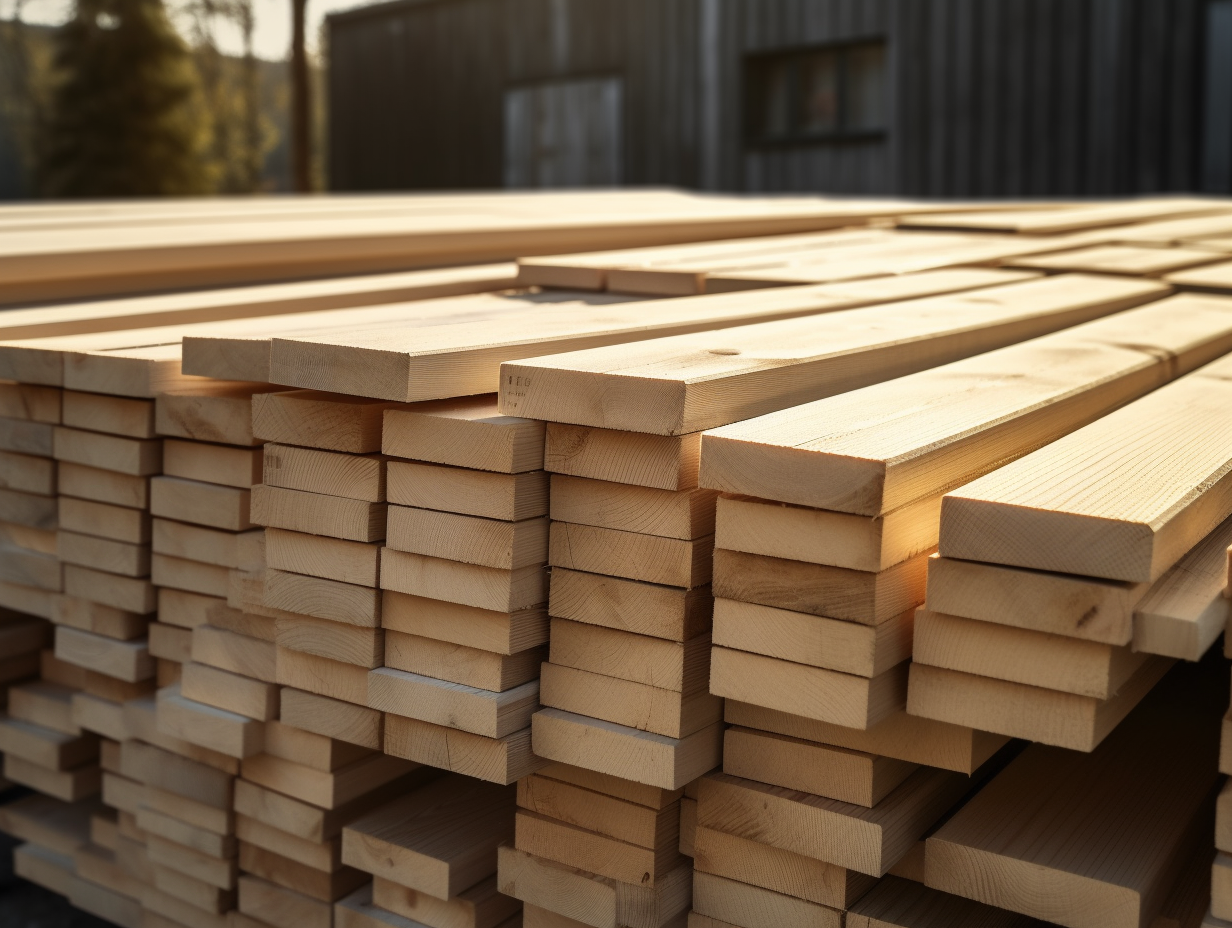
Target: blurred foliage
{"x": 117, "y": 103}
{"x": 127, "y": 116}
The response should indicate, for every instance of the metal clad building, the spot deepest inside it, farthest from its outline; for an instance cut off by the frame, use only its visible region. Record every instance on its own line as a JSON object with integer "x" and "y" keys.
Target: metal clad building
{"x": 911, "y": 97}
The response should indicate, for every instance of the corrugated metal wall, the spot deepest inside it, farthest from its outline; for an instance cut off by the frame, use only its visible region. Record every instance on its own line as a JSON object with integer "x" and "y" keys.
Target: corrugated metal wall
{"x": 987, "y": 97}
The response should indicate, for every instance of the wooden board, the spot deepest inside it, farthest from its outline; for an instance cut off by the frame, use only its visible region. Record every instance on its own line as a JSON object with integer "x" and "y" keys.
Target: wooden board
{"x": 679, "y": 666}
{"x": 1214, "y": 278}
{"x": 333, "y": 422}
{"x": 132, "y": 456}
{"x": 600, "y": 854}
{"x": 1085, "y": 521}
{"x": 102, "y": 485}
{"x": 338, "y": 641}
{"x": 324, "y": 599}
{"x": 694, "y": 382}
{"x": 659, "y": 711}
{"x": 819, "y": 536}
{"x": 733, "y": 902}
{"x": 901, "y": 736}
{"x": 27, "y": 473}
{"x": 615, "y": 818}
{"x": 468, "y": 666}
{"x": 464, "y": 359}
{"x": 237, "y": 653}
{"x": 685, "y": 514}
{"x": 46, "y": 747}
{"x": 104, "y": 554}
{"x": 322, "y": 676}
{"x": 1118, "y": 259}
{"x": 591, "y": 899}
{"x": 1055, "y": 662}
{"x": 643, "y": 608}
{"x": 510, "y": 497}
{"x": 824, "y": 770}
{"x": 665, "y": 462}
{"x": 495, "y": 760}
{"x": 218, "y": 464}
{"x": 1019, "y": 710}
{"x": 864, "y": 452}
{"x": 736, "y": 858}
{"x": 218, "y": 729}
{"x": 332, "y": 718}
{"x": 812, "y": 692}
{"x": 182, "y": 540}
{"x": 125, "y": 660}
{"x": 330, "y": 472}
{"x": 468, "y": 626}
{"x": 208, "y": 412}
{"x": 1152, "y": 781}
{"x": 468, "y": 539}
{"x": 465, "y": 432}
{"x": 30, "y": 402}
{"x": 618, "y": 750}
{"x": 317, "y": 514}
{"x": 481, "y": 906}
{"x": 481, "y": 712}
{"x": 466, "y": 584}
{"x": 901, "y": 903}
{"x": 115, "y": 415}
{"x": 848, "y": 647}
{"x": 327, "y": 790}
{"x": 351, "y": 562}
{"x": 440, "y": 839}
{"x": 194, "y": 576}
{"x": 633, "y": 556}
{"x": 836, "y": 592}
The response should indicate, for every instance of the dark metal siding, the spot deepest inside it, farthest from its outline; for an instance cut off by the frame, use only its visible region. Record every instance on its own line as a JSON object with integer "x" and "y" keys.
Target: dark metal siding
{"x": 988, "y": 97}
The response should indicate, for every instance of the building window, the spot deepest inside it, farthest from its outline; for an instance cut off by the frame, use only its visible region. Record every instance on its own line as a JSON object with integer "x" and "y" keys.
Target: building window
{"x": 827, "y": 93}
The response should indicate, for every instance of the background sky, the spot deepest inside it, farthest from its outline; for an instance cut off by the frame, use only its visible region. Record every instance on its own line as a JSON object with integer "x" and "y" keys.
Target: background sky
{"x": 273, "y": 21}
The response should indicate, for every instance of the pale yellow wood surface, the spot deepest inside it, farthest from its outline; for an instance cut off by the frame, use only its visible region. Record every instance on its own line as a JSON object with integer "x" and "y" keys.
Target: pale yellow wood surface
{"x": 468, "y": 431}
{"x": 1019, "y": 710}
{"x": 901, "y": 736}
{"x": 631, "y": 555}
{"x": 328, "y": 472}
{"x": 466, "y": 584}
{"x": 652, "y": 797}
{"x": 468, "y": 626}
{"x": 331, "y": 717}
{"x": 574, "y": 892}
{"x": 217, "y": 547}
{"x": 443, "y": 660}
{"x": 665, "y": 462}
{"x": 511, "y": 497}
{"x": 45, "y": 748}
{"x": 319, "y": 788}
{"x": 127, "y": 660}
{"x": 1069, "y": 218}
{"x": 684, "y": 514}
{"x": 30, "y": 402}
{"x": 351, "y": 562}
{"x": 873, "y": 450}
{"x": 824, "y": 770}
{"x": 690, "y": 382}
{"x": 323, "y": 599}
{"x": 1055, "y": 662}
{"x": 317, "y": 514}
{"x": 331, "y": 422}
{"x": 230, "y": 691}
{"x": 622, "y": 702}
{"x": 857, "y": 596}
{"x": 209, "y": 411}
{"x": 848, "y": 647}
{"x": 224, "y": 507}
{"x": 1123, "y": 498}
{"x": 455, "y": 705}
{"x": 606, "y": 815}
{"x": 652, "y": 609}
{"x": 465, "y": 358}
{"x": 496, "y": 760}
{"x": 102, "y": 485}
{"x": 322, "y": 676}
{"x": 220, "y": 464}
{"x": 727, "y": 855}
{"x": 133, "y": 456}
{"x": 237, "y": 653}
{"x": 115, "y": 415}
{"x": 680, "y": 666}
{"x": 619, "y": 750}
{"x": 869, "y": 841}
{"x": 1144, "y": 795}
{"x": 439, "y": 839}
{"x": 812, "y": 692}
{"x": 183, "y": 574}
{"x": 1118, "y": 259}
{"x": 337, "y": 641}
{"x": 600, "y": 854}
{"x": 468, "y": 539}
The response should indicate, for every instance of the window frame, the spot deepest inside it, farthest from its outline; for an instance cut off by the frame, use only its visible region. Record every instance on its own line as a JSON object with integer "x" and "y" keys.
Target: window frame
{"x": 755, "y": 67}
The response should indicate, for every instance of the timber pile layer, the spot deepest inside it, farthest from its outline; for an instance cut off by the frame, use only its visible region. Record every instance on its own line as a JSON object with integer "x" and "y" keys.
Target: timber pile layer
{"x": 622, "y": 559}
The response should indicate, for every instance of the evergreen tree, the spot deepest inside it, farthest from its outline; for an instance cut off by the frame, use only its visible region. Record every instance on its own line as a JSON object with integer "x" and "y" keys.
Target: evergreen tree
{"x": 126, "y": 116}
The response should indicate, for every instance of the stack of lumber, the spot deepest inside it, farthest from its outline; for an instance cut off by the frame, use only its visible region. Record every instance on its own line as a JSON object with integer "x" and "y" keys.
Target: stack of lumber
{"x": 1114, "y": 535}
{"x": 431, "y": 854}
{"x": 40, "y": 743}
{"x": 401, "y": 541}
{"x": 464, "y": 590}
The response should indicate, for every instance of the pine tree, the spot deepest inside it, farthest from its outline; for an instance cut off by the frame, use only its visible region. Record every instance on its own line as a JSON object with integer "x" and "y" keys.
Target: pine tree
{"x": 126, "y": 116}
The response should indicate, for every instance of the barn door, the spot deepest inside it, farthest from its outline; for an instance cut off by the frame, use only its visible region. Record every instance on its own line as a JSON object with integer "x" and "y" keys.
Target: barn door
{"x": 564, "y": 134}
